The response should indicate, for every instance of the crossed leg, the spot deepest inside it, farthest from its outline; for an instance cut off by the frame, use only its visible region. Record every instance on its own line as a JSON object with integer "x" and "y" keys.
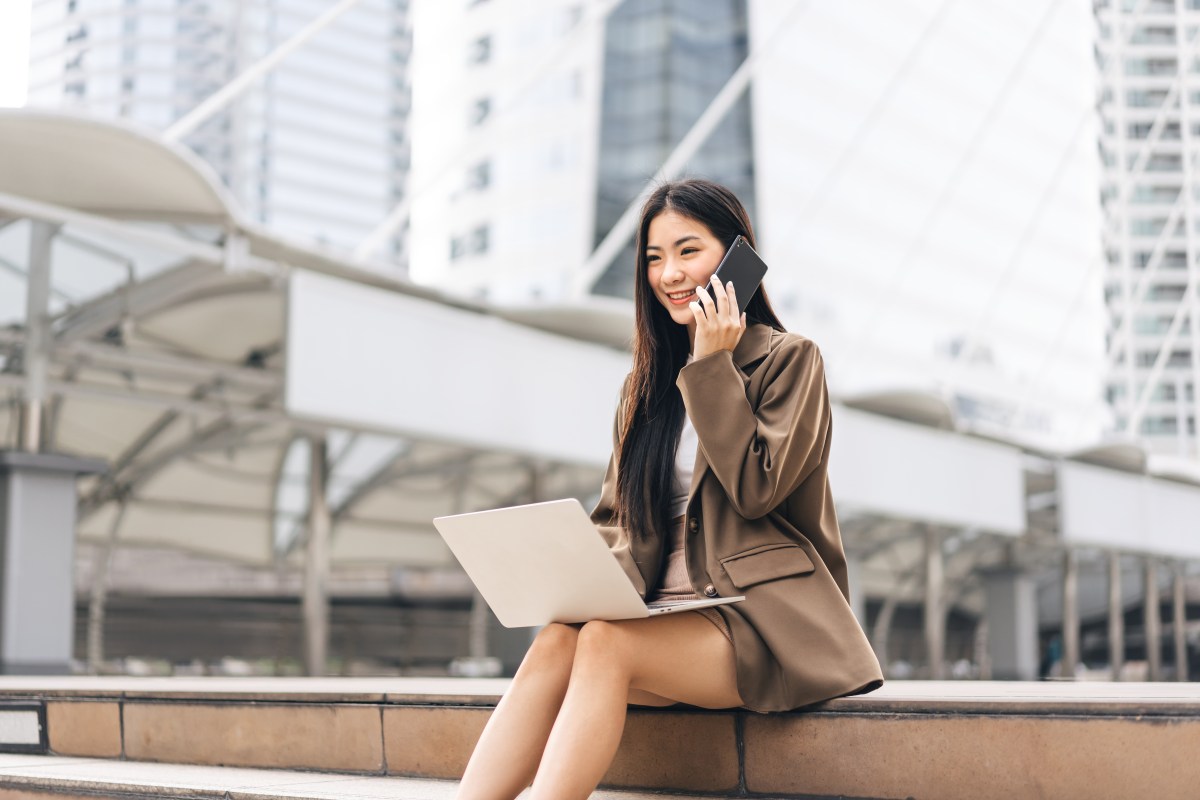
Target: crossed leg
{"x": 664, "y": 660}
{"x": 675, "y": 658}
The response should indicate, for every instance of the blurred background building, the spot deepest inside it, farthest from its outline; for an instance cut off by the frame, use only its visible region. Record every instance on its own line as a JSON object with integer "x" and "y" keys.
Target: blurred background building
{"x": 923, "y": 181}
{"x": 1147, "y": 61}
{"x": 317, "y": 149}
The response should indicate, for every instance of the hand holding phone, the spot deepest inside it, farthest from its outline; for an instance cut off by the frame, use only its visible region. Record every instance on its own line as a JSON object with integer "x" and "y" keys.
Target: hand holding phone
{"x": 744, "y": 267}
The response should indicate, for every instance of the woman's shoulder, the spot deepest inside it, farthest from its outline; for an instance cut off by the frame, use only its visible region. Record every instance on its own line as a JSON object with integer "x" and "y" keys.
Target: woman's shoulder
{"x": 790, "y": 343}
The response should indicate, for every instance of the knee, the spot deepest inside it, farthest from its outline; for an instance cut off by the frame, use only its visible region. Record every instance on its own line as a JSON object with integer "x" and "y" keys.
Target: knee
{"x": 599, "y": 638}
{"x": 554, "y": 646}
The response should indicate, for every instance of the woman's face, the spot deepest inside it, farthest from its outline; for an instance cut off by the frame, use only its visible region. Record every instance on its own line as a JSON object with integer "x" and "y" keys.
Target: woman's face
{"x": 681, "y": 254}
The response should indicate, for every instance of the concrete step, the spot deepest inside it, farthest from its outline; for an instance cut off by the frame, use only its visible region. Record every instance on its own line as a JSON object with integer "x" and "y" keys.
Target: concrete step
{"x": 55, "y": 777}
{"x": 923, "y": 739}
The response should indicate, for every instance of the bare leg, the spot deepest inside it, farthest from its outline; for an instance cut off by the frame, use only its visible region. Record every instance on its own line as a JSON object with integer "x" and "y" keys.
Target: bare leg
{"x": 680, "y": 657}
{"x": 508, "y": 751}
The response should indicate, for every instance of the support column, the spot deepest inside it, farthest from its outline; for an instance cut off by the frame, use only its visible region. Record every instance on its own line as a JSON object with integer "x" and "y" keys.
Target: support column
{"x": 99, "y": 600}
{"x": 935, "y": 615}
{"x": 1116, "y": 617}
{"x": 37, "y": 560}
{"x": 35, "y": 358}
{"x": 316, "y": 563}
{"x": 1179, "y": 622}
{"x": 477, "y": 621}
{"x": 479, "y": 661}
{"x": 1152, "y": 626}
{"x": 1010, "y": 614}
{"x": 1070, "y": 614}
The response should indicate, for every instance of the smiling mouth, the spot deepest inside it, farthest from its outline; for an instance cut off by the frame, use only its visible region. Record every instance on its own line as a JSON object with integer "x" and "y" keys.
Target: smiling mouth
{"x": 681, "y": 297}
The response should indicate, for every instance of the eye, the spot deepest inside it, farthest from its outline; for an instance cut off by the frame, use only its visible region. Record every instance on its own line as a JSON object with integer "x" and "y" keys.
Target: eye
{"x": 651, "y": 259}
{"x": 687, "y": 250}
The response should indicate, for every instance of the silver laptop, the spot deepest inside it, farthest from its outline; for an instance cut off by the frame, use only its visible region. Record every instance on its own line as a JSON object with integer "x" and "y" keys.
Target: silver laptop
{"x": 546, "y": 562}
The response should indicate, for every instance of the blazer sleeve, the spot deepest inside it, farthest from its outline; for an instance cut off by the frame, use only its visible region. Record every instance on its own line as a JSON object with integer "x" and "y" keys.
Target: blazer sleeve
{"x": 760, "y": 455}
{"x": 604, "y": 514}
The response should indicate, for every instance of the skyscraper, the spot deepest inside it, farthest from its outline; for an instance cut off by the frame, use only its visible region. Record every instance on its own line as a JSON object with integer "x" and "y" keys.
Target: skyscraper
{"x": 1149, "y": 68}
{"x": 318, "y": 149}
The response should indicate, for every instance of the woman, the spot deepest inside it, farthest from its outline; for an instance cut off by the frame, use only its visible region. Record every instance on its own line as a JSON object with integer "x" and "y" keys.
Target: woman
{"x": 717, "y": 487}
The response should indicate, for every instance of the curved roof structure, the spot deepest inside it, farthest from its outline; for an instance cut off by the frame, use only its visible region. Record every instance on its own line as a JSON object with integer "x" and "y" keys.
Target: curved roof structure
{"x": 923, "y": 408}
{"x": 108, "y": 167}
{"x": 1128, "y": 456}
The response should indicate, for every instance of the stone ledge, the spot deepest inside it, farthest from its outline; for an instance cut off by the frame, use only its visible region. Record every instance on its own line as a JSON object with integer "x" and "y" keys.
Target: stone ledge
{"x": 910, "y": 738}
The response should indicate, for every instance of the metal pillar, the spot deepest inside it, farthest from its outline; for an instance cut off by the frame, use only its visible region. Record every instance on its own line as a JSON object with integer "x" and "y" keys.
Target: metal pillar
{"x": 36, "y": 355}
{"x": 1152, "y": 625}
{"x": 316, "y": 564}
{"x": 99, "y": 599}
{"x": 935, "y": 615}
{"x": 1179, "y": 623}
{"x": 1116, "y": 616}
{"x": 1070, "y": 614}
{"x": 477, "y": 663}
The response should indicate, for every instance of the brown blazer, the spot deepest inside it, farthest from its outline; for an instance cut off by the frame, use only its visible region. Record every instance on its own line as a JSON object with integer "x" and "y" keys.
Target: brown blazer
{"x": 761, "y": 522}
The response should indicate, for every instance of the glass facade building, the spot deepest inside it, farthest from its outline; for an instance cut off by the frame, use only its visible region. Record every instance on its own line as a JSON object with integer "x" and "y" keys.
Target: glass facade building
{"x": 664, "y": 62}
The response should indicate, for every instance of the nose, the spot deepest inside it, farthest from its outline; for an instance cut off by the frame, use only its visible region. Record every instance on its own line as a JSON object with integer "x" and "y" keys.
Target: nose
{"x": 672, "y": 274}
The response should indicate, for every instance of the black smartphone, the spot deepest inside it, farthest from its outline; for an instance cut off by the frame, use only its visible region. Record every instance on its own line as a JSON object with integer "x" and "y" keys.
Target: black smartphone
{"x": 744, "y": 267}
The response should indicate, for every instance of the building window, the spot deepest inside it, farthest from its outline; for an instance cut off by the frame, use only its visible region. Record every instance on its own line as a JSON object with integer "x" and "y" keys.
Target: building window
{"x": 1141, "y": 130}
{"x": 480, "y": 50}
{"x": 479, "y": 240}
{"x": 1178, "y": 358}
{"x": 1145, "y": 98}
{"x": 1169, "y": 293}
{"x": 1162, "y": 162}
{"x": 473, "y": 243}
{"x": 1151, "y": 325}
{"x": 1147, "y": 227}
{"x": 479, "y": 111}
{"x": 479, "y": 176}
{"x": 1155, "y": 194}
{"x": 1153, "y": 35}
{"x": 1150, "y": 66}
{"x": 1159, "y": 425}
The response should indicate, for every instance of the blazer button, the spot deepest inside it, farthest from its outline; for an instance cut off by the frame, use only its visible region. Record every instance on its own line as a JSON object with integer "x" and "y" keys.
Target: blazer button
{"x": 710, "y": 590}
{"x": 693, "y": 524}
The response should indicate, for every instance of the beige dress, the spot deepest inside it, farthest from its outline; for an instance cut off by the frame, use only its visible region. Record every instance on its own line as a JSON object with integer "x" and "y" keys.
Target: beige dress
{"x": 673, "y": 581}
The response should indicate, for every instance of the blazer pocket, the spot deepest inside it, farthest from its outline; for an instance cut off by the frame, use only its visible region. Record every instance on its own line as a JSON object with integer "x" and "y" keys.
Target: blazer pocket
{"x": 766, "y": 563}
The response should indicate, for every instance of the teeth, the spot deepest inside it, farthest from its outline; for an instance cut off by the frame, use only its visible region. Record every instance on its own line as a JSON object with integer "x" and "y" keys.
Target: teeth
{"x": 680, "y": 295}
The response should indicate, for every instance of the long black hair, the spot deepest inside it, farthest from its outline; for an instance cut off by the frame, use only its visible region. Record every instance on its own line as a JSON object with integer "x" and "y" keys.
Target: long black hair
{"x": 653, "y": 410}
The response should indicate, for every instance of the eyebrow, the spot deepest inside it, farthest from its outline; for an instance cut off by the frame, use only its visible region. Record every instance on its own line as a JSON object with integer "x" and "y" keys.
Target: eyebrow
{"x": 677, "y": 242}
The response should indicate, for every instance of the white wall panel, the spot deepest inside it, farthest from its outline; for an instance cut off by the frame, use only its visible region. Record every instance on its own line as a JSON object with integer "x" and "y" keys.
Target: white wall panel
{"x": 1172, "y": 517}
{"x": 885, "y": 466}
{"x": 1107, "y": 508}
{"x": 367, "y": 356}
